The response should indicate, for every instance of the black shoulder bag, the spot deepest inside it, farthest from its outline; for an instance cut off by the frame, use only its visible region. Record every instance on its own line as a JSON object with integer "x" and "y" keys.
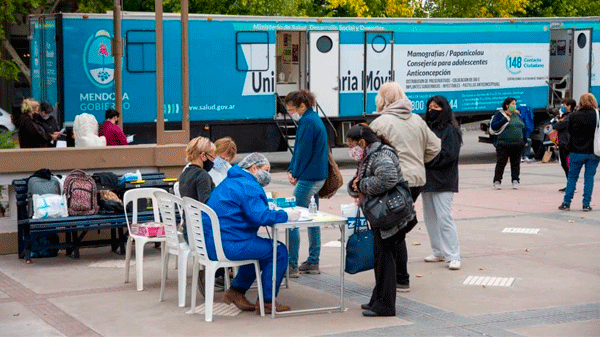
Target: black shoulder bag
{"x": 394, "y": 207}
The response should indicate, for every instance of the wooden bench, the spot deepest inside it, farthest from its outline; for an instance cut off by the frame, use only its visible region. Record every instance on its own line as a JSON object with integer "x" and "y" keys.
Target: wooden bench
{"x": 76, "y": 227}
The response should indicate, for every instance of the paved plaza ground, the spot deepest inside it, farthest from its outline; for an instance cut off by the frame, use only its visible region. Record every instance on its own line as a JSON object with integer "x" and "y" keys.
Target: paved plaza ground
{"x": 541, "y": 279}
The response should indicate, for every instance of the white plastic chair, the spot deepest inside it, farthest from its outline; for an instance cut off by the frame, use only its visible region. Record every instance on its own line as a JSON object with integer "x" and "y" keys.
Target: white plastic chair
{"x": 562, "y": 90}
{"x": 133, "y": 196}
{"x": 193, "y": 215}
{"x": 168, "y": 205}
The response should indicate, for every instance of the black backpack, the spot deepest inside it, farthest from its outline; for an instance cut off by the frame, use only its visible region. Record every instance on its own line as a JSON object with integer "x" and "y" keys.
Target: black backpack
{"x": 109, "y": 181}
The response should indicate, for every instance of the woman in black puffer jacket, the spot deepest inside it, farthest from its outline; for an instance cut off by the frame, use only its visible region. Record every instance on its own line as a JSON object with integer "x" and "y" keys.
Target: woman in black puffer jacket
{"x": 378, "y": 171}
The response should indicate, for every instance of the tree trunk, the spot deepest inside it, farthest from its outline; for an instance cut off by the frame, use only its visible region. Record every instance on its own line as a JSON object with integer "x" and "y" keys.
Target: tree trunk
{"x": 17, "y": 59}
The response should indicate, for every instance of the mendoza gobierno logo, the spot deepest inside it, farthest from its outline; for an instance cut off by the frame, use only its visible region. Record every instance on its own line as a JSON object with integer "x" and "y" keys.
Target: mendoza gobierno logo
{"x": 98, "y": 62}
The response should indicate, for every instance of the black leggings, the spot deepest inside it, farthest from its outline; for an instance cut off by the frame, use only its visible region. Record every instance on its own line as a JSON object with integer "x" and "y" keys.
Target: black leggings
{"x": 503, "y": 153}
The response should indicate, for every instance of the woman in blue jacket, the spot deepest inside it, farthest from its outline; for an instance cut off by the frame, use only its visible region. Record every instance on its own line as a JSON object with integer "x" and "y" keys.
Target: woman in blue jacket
{"x": 241, "y": 205}
{"x": 308, "y": 171}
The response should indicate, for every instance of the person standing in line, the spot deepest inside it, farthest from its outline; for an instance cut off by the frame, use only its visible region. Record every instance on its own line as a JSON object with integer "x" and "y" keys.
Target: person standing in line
{"x": 308, "y": 171}
{"x": 582, "y": 127}
{"x": 31, "y": 134}
{"x": 378, "y": 171}
{"x": 226, "y": 151}
{"x": 415, "y": 144}
{"x": 561, "y": 125}
{"x": 111, "y": 130}
{"x": 45, "y": 119}
{"x": 442, "y": 183}
{"x": 510, "y": 143}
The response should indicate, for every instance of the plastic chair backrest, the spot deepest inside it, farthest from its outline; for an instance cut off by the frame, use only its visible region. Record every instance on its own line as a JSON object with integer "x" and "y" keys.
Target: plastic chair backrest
{"x": 193, "y": 214}
{"x": 168, "y": 205}
{"x": 134, "y": 195}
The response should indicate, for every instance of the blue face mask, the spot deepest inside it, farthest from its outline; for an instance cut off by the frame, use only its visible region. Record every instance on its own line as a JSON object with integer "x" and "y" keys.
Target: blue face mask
{"x": 563, "y": 109}
{"x": 219, "y": 162}
{"x": 263, "y": 177}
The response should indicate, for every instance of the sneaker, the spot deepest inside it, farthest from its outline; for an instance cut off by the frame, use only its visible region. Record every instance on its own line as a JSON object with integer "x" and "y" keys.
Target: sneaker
{"x": 587, "y": 208}
{"x": 293, "y": 272}
{"x": 433, "y": 258}
{"x": 562, "y": 189}
{"x": 496, "y": 185}
{"x": 564, "y": 207}
{"x": 309, "y": 268}
{"x": 515, "y": 184}
{"x": 454, "y": 265}
{"x": 220, "y": 283}
{"x": 402, "y": 288}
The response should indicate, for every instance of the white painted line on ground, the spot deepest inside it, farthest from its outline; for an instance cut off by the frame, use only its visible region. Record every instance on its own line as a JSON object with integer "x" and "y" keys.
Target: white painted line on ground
{"x": 521, "y": 230}
{"x": 489, "y": 281}
{"x": 110, "y": 264}
{"x": 220, "y": 309}
{"x": 334, "y": 244}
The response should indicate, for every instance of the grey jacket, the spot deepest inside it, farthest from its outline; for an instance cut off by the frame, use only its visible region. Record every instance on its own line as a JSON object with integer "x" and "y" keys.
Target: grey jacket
{"x": 381, "y": 172}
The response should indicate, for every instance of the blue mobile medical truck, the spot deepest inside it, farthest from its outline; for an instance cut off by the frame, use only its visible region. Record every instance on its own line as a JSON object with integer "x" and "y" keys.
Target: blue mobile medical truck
{"x": 240, "y": 67}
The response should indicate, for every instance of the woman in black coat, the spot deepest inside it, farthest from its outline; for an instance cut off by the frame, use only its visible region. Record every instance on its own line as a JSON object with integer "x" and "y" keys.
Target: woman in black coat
{"x": 582, "y": 126}
{"x": 442, "y": 183}
{"x": 561, "y": 125}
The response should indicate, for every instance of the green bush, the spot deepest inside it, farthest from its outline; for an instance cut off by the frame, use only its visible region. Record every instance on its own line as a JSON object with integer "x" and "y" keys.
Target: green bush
{"x": 6, "y": 141}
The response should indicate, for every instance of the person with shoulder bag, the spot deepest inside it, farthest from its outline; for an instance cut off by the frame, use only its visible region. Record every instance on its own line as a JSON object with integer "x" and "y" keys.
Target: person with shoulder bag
{"x": 584, "y": 130}
{"x": 378, "y": 172}
{"x": 415, "y": 145}
{"x": 442, "y": 183}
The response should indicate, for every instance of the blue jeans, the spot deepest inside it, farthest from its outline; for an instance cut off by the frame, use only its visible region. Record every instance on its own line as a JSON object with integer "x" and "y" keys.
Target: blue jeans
{"x": 303, "y": 191}
{"x": 576, "y": 162}
{"x": 260, "y": 249}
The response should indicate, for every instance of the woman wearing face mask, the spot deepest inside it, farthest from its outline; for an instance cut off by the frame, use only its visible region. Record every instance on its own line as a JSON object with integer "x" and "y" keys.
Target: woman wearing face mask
{"x": 561, "y": 125}
{"x": 510, "y": 143}
{"x": 194, "y": 181}
{"x": 226, "y": 151}
{"x": 45, "y": 119}
{"x": 378, "y": 171}
{"x": 308, "y": 170}
{"x": 241, "y": 205}
{"x": 442, "y": 183}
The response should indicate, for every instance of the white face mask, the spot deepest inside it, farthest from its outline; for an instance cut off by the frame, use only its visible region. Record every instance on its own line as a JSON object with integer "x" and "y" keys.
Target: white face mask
{"x": 295, "y": 116}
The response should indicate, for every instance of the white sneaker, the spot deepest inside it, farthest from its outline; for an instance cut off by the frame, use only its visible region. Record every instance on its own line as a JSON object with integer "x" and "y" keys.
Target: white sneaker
{"x": 516, "y": 185}
{"x": 433, "y": 258}
{"x": 496, "y": 185}
{"x": 454, "y": 265}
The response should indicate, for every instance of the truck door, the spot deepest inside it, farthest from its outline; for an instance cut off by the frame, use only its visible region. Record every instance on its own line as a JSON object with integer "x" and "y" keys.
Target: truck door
{"x": 324, "y": 70}
{"x": 582, "y": 44}
{"x": 379, "y": 66}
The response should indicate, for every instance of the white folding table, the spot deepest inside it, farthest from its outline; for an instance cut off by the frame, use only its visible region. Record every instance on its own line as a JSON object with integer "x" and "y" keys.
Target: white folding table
{"x": 321, "y": 219}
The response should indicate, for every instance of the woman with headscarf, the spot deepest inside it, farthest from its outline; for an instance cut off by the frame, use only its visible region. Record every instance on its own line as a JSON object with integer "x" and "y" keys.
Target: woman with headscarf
{"x": 241, "y": 205}
{"x": 442, "y": 183}
{"x": 415, "y": 144}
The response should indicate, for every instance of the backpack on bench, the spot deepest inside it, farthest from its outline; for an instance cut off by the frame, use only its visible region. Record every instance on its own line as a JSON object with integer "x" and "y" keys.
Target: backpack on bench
{"x": 82, "y": 193}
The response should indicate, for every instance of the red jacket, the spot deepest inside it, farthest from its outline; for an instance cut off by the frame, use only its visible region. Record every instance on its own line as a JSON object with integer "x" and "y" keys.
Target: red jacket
{"x": 113, "y": 133}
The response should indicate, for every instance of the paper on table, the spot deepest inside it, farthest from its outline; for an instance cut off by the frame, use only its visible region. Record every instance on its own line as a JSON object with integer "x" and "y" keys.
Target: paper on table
{"x": 130, "y": 138}
{"x": 61, "y": 143}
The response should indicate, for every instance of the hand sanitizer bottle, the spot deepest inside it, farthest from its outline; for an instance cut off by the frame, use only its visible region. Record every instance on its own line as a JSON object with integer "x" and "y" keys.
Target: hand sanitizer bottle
{"x": 312, "y": 207}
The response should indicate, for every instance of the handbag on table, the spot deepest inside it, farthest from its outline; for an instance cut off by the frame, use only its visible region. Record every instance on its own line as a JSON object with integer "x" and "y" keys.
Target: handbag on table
{"x": 360, "y": 254}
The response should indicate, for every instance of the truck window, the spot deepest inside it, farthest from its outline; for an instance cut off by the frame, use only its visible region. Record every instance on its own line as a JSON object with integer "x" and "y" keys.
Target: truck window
{"x": 252, "y": 49}
{"x": 141, "y": 51}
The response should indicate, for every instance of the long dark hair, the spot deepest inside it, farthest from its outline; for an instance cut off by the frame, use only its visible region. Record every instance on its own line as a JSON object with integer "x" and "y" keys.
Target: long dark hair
{"x": 444, "y": 118}
{"x": 363, "y": 131}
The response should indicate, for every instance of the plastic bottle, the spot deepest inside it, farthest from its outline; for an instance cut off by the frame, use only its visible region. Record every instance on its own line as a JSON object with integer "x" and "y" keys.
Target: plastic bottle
{"x": 138, "y": 175}
{"x": 312, "y": 207}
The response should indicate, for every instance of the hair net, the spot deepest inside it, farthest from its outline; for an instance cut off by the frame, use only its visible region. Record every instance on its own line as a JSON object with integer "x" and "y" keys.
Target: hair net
{"x": 254, "y": 158}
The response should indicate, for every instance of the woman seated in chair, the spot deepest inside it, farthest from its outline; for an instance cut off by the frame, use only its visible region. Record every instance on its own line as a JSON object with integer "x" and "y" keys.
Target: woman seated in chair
{"x": 241, "y": 205}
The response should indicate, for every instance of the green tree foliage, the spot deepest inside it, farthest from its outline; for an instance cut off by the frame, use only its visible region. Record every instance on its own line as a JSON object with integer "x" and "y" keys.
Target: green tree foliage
{"x": 476, "y": 8}
{"x": 8, "y": 11}
{"x": 551, "y": 8}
